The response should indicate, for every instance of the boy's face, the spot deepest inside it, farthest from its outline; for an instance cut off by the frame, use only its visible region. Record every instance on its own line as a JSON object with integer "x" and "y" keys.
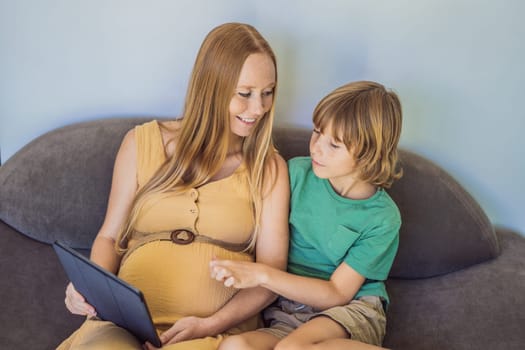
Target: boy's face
{"x": 330, "y": 158}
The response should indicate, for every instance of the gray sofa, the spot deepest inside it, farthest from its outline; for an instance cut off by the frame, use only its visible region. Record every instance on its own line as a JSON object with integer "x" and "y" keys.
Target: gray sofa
{"x": 457, "y": 282}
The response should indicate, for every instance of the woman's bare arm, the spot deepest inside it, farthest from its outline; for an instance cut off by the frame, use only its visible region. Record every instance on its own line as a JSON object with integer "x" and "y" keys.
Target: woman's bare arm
{"x": 123, "y": 188}
{"x": 271, "y": 249}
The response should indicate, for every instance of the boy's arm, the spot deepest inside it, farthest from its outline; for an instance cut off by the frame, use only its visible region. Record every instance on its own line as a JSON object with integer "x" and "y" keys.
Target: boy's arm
{"x": 320, "y": 294}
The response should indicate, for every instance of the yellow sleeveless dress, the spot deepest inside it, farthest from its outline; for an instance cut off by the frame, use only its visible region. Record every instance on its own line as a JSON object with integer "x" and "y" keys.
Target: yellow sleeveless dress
{"x": 174, "y": 278}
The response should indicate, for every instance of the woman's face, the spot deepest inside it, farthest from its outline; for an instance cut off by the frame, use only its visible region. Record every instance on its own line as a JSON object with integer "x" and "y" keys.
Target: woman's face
{"x": 253, "y": 96}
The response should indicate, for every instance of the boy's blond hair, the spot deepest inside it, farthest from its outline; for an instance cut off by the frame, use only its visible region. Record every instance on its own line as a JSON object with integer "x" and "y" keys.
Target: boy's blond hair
{"x": 367, "y": 118}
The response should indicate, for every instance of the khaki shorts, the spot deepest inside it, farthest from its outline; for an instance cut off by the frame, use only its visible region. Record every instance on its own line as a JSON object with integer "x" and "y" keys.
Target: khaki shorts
{"x": 364, "y": 319}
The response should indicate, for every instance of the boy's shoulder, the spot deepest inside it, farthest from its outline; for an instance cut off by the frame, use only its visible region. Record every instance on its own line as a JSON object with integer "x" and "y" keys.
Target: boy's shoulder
{"x": 302, "y": 162}
{"x": 299, "y": 168}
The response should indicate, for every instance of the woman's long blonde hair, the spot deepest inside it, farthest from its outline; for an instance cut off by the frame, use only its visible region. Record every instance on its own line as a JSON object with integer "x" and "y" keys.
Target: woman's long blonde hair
{"x": 203, "y": 140}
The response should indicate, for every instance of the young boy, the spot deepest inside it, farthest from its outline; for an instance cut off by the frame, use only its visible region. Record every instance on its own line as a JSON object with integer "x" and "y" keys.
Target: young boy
{"x": 343, "y": 231}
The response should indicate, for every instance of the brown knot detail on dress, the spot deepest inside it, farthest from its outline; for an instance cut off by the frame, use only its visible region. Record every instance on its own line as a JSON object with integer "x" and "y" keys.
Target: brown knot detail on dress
{"x": 182, "y": 237}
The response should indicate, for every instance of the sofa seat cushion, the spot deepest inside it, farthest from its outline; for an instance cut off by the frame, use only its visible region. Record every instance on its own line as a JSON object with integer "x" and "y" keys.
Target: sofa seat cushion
{"x": 32, "y": 291}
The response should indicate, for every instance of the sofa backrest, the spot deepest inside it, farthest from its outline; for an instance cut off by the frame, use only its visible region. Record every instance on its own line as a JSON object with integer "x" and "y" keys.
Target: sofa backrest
{"x": 56, "y": 188}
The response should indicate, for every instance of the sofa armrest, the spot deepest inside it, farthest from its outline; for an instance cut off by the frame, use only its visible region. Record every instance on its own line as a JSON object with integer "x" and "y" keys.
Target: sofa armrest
{"x": 479, "y": 307}
{"x": 32, "y": 290}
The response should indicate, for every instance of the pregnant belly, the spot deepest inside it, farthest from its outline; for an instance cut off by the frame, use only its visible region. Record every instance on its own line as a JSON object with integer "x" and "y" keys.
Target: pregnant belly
{"x": 175, "y": 279}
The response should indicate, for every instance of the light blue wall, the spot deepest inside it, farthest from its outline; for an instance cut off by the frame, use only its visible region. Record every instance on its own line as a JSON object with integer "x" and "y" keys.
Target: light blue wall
{"x": 458, "y": 67}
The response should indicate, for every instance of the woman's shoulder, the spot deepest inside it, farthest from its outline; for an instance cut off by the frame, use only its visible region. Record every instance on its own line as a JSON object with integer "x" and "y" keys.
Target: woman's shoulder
{"x": 167, "y": 128}
{"x": 275, "y": 167}
{"x": 170, "y": 126}
{"x": 279, "y": 160}
{"x": 163, "y": 130}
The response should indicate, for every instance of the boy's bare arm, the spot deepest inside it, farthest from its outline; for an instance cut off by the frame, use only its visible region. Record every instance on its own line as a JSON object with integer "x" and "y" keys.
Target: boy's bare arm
{"x": 320, "y": 294}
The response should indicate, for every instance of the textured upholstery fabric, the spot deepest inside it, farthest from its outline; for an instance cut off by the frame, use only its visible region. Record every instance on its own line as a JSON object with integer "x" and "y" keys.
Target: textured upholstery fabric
{"x": 57, "y": 186}
{"x": 443, "y": 228}
{"x": 32, "y": 291}
{"x": 476, "y": 308}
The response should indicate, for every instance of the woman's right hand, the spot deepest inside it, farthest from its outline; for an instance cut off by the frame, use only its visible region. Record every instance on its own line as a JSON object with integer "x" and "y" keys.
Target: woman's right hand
{"x": 76, "y": 303}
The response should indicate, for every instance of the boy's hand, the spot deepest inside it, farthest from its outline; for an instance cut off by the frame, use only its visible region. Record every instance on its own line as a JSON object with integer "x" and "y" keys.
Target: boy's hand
{"x": 238, "y": 274}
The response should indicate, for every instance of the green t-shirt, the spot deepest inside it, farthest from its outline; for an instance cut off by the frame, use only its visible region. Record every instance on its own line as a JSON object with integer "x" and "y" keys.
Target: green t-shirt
{"x": 327, "y": 229}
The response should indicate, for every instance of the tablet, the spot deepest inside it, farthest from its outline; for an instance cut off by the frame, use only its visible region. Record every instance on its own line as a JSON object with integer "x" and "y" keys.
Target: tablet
{"x": 114, "y": 299}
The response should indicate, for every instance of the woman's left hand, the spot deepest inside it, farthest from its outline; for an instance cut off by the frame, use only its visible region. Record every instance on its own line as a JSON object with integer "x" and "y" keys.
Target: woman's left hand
{"x": 186, "y": 328}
